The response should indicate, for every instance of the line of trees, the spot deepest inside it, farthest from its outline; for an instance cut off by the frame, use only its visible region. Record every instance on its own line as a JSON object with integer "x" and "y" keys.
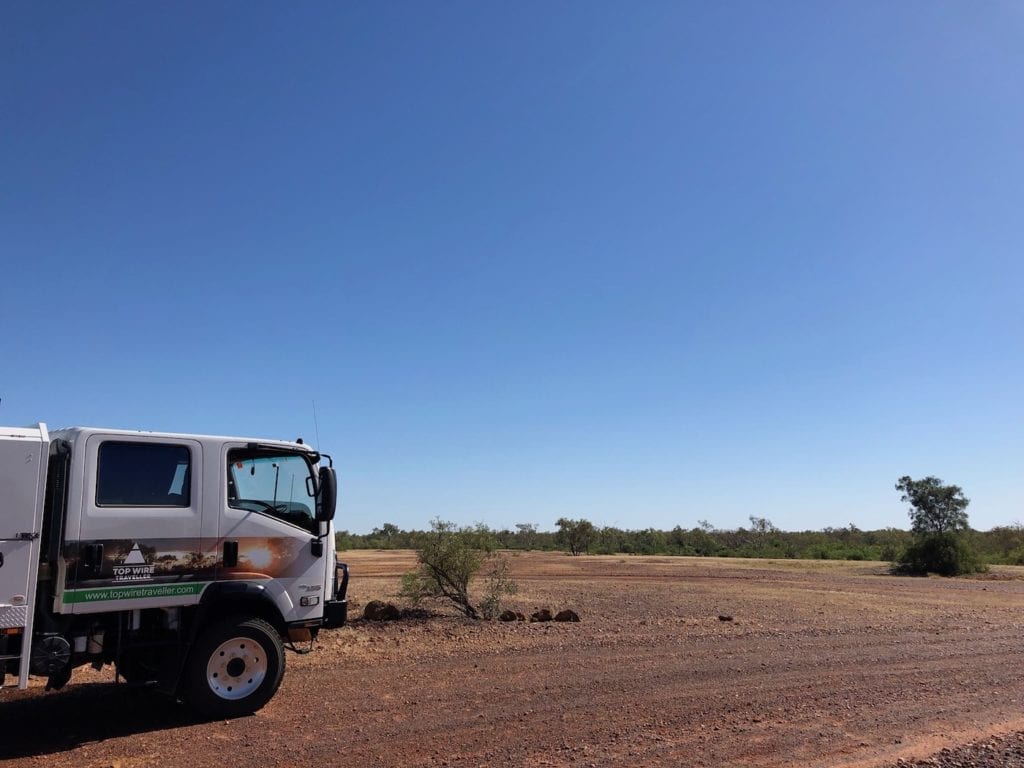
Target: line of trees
{"x": 1001, "y": 545}
{"x": 940, "y": 539}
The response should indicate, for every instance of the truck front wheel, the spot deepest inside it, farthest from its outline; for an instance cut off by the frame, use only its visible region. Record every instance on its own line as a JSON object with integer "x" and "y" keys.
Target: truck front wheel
{"x": 234, "y": 668}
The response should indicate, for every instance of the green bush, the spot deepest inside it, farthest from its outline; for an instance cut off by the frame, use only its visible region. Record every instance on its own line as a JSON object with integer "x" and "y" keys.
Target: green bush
{"x": 889, "y": 553}
{"x": 499, "y": 583}
{"x": 945, "y": 554}
{"x": 450, "y": 557}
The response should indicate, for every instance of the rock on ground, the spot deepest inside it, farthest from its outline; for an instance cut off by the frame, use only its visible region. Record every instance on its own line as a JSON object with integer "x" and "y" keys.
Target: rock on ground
{"x": 1001, "y": 752}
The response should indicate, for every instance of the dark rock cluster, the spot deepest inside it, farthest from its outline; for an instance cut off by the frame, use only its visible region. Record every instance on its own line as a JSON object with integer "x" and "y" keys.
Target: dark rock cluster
{"x": 541, "y": 614}
{"x": 378, "y": 610}
{"x": 1001, "y": 752}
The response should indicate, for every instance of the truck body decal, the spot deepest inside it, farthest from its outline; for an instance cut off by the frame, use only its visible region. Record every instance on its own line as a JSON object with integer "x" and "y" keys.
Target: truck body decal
{"x": 176, "y": 561}
{"x": 134, "y": 592}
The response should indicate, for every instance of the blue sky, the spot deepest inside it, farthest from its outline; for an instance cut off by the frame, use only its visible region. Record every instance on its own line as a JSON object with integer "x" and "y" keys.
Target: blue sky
{"x": 643, "y": 263}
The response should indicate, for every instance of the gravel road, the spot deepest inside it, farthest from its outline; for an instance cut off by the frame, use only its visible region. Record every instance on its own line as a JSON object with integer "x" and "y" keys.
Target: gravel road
{"x": 823, "y": 664}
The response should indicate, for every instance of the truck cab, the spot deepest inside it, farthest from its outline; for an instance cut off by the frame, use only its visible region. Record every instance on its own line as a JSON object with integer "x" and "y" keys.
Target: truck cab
{"x": 189, "y": 561}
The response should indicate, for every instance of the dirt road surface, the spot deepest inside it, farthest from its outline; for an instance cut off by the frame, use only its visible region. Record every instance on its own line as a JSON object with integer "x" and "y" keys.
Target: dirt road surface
{"x": 822, "y": 664}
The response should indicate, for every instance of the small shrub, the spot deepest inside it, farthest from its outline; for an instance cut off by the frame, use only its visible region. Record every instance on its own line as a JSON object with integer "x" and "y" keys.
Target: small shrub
{"x": 450, "y": 558}
{"x": 499, "y": 583}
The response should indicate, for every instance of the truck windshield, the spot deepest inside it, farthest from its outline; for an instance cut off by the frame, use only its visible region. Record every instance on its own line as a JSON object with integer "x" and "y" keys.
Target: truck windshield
{"x": 279, "y": 485}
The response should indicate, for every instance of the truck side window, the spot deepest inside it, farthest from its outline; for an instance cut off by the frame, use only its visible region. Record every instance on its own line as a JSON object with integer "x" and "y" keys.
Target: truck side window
{"x": 275, "y": 484}
{"x": 143, "y": 475}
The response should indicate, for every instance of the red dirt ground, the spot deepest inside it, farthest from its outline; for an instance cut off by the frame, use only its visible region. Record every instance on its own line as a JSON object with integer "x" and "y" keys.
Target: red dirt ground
{"x": 824, "y": 664}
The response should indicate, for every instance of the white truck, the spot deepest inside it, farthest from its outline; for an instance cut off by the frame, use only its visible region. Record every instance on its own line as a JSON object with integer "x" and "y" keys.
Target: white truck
{"x": 188, "y": 561}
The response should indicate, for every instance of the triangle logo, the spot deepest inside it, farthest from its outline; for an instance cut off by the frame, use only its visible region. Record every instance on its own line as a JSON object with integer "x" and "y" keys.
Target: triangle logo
{"x": 135, "y": 556}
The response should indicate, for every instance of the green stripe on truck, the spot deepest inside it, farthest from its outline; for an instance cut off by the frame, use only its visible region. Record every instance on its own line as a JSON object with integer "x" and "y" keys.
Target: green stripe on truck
{"x": 133, "y": 592}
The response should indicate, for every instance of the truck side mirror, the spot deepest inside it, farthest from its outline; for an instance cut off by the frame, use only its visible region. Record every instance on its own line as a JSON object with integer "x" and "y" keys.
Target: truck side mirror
{"x": 327, "y": 499}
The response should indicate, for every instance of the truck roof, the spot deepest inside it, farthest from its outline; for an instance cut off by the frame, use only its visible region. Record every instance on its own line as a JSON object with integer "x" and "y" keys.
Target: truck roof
{"x": 39, "y": 430}
{"x": 77, "y": 433}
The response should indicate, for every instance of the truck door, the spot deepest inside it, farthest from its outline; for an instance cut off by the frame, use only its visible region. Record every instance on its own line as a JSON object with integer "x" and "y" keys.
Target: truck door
{"x": 22, "y": 480}
{"x": 268, "y": 529}
{"x": 139, "y": 542}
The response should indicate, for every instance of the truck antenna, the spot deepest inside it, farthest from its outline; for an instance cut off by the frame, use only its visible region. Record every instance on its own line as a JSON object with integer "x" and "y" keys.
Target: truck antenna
{"x": 316, "y": 426}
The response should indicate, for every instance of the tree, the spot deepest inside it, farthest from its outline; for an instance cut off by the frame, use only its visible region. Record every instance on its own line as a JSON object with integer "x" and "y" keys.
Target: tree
{"x": 450, "y": 558}
{"x": 527, "y": 534}
{"x": 938, "y": 517}
{"x": 575, "y": 535}
{"x": 934, "y": 507}
{"x": 762, "y": 526}
{"x": 388, "y": 530}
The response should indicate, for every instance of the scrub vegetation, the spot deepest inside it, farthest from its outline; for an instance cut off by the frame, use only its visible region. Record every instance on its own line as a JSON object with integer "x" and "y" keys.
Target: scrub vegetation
{"x": 449, "y": 559}
{"x": 1003, "y": 545}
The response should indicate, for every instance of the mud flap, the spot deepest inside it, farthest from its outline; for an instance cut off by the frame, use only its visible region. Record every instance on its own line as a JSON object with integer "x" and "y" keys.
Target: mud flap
{"x": 336, "y": 610}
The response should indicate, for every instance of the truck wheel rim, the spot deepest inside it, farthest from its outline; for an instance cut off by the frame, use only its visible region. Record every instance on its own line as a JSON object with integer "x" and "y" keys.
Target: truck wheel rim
{"x": 236, "y": 668}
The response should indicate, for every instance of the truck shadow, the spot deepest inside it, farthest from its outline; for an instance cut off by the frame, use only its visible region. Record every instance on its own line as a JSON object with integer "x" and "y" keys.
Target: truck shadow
{"x": 36, "y": 723}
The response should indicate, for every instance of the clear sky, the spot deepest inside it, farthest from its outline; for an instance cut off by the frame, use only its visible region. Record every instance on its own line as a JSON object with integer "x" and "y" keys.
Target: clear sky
{"x": 644, "y": 263}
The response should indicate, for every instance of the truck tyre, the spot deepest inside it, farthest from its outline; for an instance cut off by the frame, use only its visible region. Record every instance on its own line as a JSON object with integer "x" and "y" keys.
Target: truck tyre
{"x": 234, "y": 668}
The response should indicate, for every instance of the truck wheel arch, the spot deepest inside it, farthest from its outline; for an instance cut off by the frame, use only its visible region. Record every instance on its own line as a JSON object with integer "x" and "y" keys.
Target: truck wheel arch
{"x": 231, "y": 598}
{"x": 219, "y": 601}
